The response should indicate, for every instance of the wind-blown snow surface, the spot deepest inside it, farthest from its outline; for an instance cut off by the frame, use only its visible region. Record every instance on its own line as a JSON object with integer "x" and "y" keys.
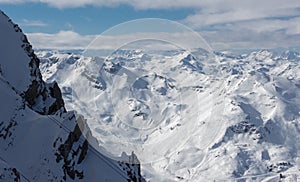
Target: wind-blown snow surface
{"x": 188, "y": 119}
{"x": 39, "y": 139}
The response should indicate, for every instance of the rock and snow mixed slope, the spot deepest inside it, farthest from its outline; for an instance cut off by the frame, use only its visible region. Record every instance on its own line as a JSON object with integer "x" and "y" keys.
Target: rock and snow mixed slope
{"x": 39, "y": 139}
{"x": 233, "y": 119}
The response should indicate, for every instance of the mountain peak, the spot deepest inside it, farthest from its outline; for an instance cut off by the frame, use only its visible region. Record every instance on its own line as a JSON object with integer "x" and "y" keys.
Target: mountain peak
{"x": 20, "y": 69}
{"x": 40, "y": 140}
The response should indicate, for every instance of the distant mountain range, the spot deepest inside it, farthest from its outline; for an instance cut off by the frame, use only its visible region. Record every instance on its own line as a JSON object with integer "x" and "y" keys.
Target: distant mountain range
{"x": 187, "y": 118}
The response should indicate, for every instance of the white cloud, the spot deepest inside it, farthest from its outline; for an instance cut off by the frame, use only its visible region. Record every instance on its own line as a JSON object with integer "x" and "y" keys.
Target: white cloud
{"x": 290, "y": 26}
{"x": 32, "y": 23}
{"x": 62, "y": 40}
{"x": 208, "y": 13}
{"x": 248, "y": 39}
{"x": 203, "y": 5}
{"x": 225, "y": 23}
{"x": 72, "y": 40}
{"x": 139, "y": 4}
{"x": 249, "y": 24}
{"x": 218, "y": 40}
{"x": 229, "y": 11}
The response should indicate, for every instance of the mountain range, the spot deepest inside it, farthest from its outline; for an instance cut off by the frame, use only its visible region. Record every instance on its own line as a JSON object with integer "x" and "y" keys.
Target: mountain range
{"x": 137, "y": 115}
{"x": 187, "y": 118}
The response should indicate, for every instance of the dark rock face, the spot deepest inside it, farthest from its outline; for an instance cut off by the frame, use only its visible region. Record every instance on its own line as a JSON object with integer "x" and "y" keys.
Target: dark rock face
{"x": 32, "y": 93}
{"x": 64, "y": 150}
{"x": 59, "y": 102}
{"x": 132, "y": 174}
{"x": 9, "y": 174}
{"x": 46, "y": 91}
{"x": 39, "y": 87}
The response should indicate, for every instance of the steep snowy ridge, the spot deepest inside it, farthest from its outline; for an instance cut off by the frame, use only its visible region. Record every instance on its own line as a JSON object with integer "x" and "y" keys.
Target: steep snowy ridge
{"x": 40, "y": 140}
{"x": 259, "y": 133}
{"x": 22, "y": 72}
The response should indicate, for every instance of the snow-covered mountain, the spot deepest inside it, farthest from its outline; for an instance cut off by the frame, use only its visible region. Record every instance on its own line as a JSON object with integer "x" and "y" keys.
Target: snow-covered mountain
{"x": 236, "y": 118}
{"x": 39, "y": 139}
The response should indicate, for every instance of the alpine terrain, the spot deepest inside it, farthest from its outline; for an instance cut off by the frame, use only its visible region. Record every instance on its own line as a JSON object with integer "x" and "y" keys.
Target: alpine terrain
{"x": 189, "y": 115}
{"x": 39, "y": 139}
{"x": 139, "y": 114}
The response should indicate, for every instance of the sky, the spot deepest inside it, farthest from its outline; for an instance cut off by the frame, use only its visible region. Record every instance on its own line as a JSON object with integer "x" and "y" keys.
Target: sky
{"x": 224, "y": 24}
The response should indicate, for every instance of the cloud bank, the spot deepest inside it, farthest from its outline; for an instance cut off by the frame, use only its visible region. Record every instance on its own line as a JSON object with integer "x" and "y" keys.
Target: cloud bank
{"x": 33, "y": 23}
{"x": 224, "y": 23}
{"x": 230, "y": 40}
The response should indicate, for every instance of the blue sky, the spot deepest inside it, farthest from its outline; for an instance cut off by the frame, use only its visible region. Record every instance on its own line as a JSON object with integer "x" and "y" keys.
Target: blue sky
{"x": 38, "y": 17}
{"x": 225, "y": 24}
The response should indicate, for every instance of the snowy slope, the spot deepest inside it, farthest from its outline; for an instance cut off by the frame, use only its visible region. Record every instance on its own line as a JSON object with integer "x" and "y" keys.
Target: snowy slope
{"x": 39, "y": 139}
{"x": 186, "y": 119}
{"x": 13, "y": 40}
